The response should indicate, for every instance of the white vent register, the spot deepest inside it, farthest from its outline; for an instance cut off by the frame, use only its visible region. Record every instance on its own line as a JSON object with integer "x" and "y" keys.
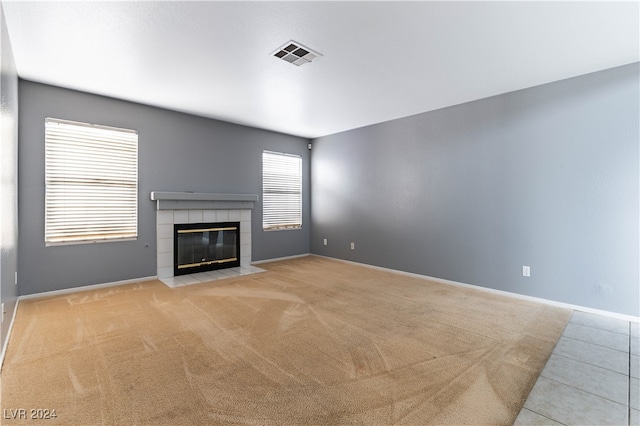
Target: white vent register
{"x": 295, "y": 53}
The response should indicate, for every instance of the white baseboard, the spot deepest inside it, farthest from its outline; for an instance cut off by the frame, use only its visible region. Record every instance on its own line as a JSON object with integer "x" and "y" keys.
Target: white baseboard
{"x": 609, "y": 314}
{"x": 84, "y": 288}
{"x": 9, "y": 330}
{"x": 277, "y": 259}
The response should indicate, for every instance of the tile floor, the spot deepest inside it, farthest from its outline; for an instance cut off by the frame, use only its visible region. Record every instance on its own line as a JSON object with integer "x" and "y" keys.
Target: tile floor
{"x": 203, "y": 277}
{"x": 591, "y": 377}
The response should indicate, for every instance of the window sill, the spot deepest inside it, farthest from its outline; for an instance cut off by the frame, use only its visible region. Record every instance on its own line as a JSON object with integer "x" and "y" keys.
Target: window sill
{"x": 81, "y": 242}
{"x": 282, "y": 229}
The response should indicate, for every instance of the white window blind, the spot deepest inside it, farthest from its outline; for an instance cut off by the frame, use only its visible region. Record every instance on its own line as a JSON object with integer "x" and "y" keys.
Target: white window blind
{"x": 281, "y": 191}
{"x": 91, "y": 175}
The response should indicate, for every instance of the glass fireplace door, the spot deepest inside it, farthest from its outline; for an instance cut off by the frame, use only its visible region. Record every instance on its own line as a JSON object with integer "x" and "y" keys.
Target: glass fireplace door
{"x": 201, "y": 247}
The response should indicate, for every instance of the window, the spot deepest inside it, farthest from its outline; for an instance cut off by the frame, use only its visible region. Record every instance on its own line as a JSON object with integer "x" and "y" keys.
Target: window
{"x": 91, "y": 175}
{"x": 281, "y": 191}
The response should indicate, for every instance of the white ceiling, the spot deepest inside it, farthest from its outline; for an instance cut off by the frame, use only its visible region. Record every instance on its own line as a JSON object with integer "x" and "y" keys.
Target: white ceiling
{"x": 381, "y": 60}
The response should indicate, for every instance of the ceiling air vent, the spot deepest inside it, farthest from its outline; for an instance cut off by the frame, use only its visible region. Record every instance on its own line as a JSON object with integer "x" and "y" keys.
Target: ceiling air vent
{"x": 295, "y": 53}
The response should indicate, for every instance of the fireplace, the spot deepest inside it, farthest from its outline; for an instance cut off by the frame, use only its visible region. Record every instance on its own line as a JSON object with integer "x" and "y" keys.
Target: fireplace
{"x": 179, "y": 208}
{"x": 200, "y": 247}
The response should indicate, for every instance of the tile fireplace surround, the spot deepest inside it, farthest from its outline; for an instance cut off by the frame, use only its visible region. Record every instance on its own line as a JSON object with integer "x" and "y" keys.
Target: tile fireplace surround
{"x": 197, "y": 207}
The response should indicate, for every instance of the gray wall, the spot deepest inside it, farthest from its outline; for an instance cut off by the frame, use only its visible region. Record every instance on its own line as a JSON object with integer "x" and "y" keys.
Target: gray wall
{"x": 8, "y": 179}
{"x": 177, "y": 152}
{"x": 546, "y": 177}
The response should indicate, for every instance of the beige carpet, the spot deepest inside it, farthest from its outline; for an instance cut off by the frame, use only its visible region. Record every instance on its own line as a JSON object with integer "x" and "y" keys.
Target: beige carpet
{"x": 310, "y": 341}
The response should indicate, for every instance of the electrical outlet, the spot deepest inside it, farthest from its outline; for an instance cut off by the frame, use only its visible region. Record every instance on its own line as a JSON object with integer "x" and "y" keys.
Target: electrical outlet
{"x": 325, "y": 241}
{"x": 2, "y": 313}
{"x": 526, "y": 271}
{"x": 16, "y": 278}
{"x": 353, "y": 246}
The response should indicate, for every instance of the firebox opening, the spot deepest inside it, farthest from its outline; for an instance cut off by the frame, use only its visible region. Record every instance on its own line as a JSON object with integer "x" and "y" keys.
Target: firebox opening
{"x": 200, "y": 247}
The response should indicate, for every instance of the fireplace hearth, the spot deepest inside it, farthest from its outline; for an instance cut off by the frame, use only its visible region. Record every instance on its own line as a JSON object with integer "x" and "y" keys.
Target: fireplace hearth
{"x": 200, "y": 247}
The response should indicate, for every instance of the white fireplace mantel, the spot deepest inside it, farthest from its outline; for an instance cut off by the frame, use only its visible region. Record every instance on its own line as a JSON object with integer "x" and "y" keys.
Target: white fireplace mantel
{"x": 167, "y": 200}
